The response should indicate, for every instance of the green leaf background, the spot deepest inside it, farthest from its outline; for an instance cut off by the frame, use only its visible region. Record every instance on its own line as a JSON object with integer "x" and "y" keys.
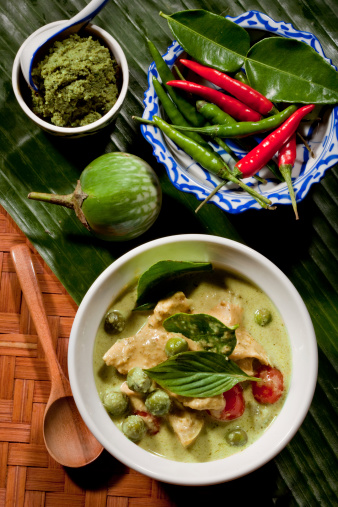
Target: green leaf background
{"x": 305, "y": 472}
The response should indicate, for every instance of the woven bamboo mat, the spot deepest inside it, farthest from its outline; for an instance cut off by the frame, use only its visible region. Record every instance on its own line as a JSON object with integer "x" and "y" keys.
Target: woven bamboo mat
{"x": 29, "y": 477}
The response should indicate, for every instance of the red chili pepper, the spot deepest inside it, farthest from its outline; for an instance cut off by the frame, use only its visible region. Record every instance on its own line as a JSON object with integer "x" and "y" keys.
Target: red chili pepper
{"x": 230, "y": 105}
{"x": 256, "y": 159}
{"x": 241, "y": 91}
{"x": 286, "y": 159}
{"x": 287, "y": 154}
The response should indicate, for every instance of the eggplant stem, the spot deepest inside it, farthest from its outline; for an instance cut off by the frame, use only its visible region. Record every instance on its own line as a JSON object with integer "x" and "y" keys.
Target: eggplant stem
{"x": 60, "y": 200}
{"x": 73, "y": 201}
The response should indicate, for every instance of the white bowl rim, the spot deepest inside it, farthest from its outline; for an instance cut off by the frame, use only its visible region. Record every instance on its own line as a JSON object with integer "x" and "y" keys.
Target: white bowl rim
{"x": 207, "y": 473}
{"x": 118, "y": 52}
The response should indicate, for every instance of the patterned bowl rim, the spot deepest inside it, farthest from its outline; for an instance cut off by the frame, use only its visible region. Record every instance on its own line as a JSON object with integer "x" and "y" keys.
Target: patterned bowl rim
{"x": 229, "y": 200}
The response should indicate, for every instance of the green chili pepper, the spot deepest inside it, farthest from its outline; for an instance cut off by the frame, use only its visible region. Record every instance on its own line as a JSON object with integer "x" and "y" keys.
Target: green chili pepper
{"x": 214, "y": 113}
{"x": 218, "y": 140}
{"x": 240, "y": 76}
{"x": 216, "y": 116}
{"x": 244, "y": 128}
{"x": 206, "y": 157}
{"x": 187, "y": 109}
{"x": 174, "y": 114}
{"x": 176, "y": 117}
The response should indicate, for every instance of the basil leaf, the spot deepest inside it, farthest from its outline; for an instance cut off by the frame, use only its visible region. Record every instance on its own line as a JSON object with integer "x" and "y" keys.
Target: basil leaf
{"x": 153, "y": 283}
{"x": 211, "y": 39}
{"x": 210, "y": 332}
{"x": 287, "y": 70}
{"x": 198, "y": 374}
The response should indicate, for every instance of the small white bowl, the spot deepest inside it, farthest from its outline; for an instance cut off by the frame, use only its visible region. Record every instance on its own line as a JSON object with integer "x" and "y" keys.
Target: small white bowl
{"x": 22, "y": 91}
{"x": 259, "y": 270}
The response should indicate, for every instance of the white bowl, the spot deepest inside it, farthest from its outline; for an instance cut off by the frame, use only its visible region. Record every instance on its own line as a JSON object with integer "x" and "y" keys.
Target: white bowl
{"x": 22, "y": 91}
{"x": 262, "y": 272}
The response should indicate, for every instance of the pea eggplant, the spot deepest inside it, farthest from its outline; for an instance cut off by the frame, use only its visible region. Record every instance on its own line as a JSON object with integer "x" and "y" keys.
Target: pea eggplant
{"x": 118, "y": 197}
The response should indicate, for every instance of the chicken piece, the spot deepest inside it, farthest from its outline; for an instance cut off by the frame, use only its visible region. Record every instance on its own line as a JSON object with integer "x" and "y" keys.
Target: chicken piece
{"x": 186, "y": 424}
{"x": 247, "y": 348}
{"x": 228, "y": 313}
{"x": 211, "y": 403}
{"x": 147, "y": 348}
{"x": 246, "y": 365}
{"x": 177, "y": 303}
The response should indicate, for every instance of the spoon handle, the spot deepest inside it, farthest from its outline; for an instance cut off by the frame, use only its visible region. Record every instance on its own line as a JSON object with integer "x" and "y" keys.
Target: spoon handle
{"x": 30, "y": 287}
{"x": 88, "y": 12}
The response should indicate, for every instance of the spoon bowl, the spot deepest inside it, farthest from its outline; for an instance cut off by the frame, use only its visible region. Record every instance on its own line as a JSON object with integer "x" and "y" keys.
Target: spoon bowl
{"x": 76, "y": 453}
{"x": 66, "y": 436}
{"x": 39, "y": 41}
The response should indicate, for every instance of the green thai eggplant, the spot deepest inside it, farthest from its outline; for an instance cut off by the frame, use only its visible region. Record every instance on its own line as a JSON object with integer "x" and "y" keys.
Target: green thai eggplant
{"x": 118, "y": 197}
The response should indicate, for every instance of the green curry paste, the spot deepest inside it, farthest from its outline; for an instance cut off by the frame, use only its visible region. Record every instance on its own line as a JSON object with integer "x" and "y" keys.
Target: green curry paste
{"x": 77, "y": 82}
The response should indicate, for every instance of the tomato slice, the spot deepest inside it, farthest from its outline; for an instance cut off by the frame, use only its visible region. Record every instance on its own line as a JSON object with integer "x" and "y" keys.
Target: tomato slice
{"x": 234, "y": 405}
{"x": 271, "y": 388}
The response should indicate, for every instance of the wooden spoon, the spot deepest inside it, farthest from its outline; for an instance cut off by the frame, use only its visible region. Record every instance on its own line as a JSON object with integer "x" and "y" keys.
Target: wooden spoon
{"x": 66, "y": 436}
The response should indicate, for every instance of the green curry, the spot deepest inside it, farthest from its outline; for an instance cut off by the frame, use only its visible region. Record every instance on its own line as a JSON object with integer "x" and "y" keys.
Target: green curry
{"x": 217, "y": 294}
{"x": 77, "y": 82}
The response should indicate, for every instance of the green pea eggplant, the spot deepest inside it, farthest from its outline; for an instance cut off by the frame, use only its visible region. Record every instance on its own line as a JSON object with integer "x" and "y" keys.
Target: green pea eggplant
{"x": 118, "y": 197}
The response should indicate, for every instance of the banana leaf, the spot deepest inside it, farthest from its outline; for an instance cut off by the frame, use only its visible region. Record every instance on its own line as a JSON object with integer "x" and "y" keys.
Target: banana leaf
{"x": 304, "y": 473}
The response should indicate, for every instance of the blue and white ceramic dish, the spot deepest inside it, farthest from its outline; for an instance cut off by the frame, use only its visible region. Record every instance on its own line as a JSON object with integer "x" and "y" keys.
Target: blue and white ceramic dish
{"x": 188, "y": 176}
